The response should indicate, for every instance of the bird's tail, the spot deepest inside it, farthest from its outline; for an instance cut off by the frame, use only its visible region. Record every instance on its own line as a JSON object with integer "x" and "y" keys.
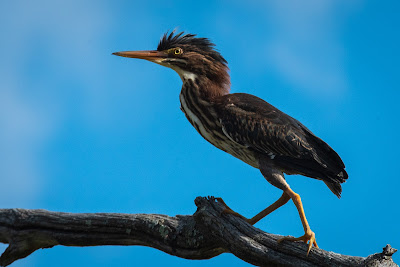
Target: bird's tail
{"x": 334, "y": 182}
{"x": 331, "y": 166}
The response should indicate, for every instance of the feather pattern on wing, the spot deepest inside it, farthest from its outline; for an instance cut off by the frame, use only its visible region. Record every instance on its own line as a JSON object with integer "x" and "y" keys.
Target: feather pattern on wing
{"x": 254, "y": 123}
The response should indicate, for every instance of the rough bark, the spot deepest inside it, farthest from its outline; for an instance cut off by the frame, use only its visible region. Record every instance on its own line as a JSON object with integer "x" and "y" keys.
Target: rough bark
{"x": 205, "y": 234}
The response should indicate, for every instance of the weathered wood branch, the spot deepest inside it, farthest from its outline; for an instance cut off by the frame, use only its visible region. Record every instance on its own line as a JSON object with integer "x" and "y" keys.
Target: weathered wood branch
{"x": 205, "y": 234}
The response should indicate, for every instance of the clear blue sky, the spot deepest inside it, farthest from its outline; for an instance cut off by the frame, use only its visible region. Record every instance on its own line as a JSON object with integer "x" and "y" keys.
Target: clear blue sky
{"x": 84, "y": 131}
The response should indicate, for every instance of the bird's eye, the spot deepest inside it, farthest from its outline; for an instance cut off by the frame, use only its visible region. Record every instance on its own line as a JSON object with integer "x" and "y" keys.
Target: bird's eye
{"x": 178, "y": 51}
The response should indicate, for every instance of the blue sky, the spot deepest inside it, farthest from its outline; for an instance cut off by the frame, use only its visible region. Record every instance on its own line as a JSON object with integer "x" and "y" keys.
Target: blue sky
{"x": 84, "y": 131}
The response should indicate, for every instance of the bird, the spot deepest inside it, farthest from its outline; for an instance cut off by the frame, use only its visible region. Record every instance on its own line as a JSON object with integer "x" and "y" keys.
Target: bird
{"x": 244, "y": 125}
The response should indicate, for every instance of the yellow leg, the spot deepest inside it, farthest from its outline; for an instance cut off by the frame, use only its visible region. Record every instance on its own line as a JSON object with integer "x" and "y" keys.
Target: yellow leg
{"x": 280, "y": 202}
{"x": 309, "y": 236}
{"x": 228, "y": 210}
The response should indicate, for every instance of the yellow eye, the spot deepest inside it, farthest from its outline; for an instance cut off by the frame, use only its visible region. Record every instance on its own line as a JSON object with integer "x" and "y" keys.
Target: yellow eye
{"x": 178, "y": 51}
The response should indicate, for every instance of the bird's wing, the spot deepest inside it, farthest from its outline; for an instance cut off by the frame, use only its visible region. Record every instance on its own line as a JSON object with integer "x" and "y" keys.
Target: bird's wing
{"x": 252, "y": 122}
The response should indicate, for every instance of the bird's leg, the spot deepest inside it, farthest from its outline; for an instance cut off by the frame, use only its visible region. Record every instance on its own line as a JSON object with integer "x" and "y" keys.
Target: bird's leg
{"x": 309, "y": 236}
{"x": 228, "y": 210}
{"x": 280, "y": 202}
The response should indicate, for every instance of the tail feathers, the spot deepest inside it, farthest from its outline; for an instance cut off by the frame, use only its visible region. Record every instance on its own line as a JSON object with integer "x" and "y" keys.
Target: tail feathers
{"x": 342, "y": 176}
{"x": 333, "y": 175}
{"x": 334, "y": 182}
{"x": 327, "y": 157}
{"x": 333, "y": 172}
{"x": 335, "y": 187}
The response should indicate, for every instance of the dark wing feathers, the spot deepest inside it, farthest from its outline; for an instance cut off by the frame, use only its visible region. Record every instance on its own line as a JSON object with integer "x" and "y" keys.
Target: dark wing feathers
{"x": 252, "y": 122}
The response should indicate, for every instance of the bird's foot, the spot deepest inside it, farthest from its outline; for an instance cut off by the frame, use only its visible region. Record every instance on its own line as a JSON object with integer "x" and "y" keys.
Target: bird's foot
{"x": 308, "y": 237}
{"x": 228, "y": 210}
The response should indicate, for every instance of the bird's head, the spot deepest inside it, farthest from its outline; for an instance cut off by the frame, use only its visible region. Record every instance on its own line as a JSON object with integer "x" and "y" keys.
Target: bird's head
{"x": 191, "y": 57}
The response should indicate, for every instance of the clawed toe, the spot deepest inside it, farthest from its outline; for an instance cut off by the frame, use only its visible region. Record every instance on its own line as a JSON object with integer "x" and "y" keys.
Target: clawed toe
{"x": 308, "y": 238}
{"x": 228, "y": 210}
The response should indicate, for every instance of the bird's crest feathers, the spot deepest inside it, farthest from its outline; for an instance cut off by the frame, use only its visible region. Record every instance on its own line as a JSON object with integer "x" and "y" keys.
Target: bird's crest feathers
{"x": 191, "y": 43}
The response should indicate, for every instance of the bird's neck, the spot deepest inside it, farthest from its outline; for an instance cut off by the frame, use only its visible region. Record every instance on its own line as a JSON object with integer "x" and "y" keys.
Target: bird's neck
{"x": 208, "y": 86}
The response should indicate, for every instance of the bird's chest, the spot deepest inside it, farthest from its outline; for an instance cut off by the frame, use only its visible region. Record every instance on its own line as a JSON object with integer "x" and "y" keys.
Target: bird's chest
{"x": 202, "y": 116}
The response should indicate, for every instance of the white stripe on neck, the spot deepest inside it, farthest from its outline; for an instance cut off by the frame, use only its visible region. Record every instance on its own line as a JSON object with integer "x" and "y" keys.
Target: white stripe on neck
{"x": 185, "y": 75}
{"x": 203, "y": 131}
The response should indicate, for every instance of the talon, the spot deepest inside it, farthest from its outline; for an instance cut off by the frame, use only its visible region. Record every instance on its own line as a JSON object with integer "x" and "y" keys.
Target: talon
{"x": 308, "y": 238}
{"x": 218, "y": 199}
{"x": 228, "y": 210}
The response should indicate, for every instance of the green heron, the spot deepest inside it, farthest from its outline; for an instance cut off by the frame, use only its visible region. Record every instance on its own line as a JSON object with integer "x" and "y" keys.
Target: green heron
{"x": 244, "y": 125}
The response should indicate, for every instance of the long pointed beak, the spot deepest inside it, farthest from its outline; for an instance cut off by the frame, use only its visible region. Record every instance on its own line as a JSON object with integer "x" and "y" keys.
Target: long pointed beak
{"x": 154, "y": 55}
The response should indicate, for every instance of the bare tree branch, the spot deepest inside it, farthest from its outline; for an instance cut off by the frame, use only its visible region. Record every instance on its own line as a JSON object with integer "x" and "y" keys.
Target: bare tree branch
{"x": 205, "y": 234}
